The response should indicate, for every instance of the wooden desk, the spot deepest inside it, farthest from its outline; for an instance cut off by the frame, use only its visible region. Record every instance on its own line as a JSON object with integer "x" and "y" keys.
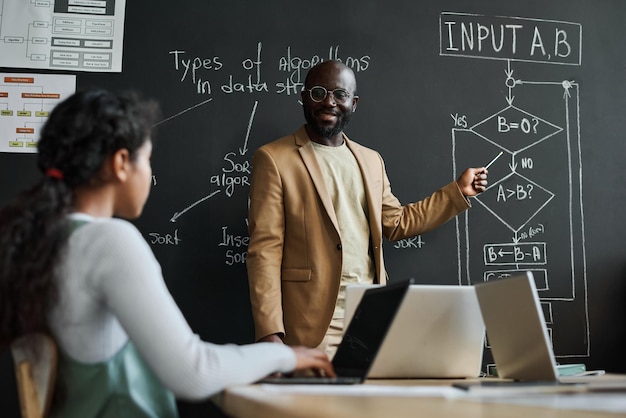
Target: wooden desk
{"x": 254, "y": 401}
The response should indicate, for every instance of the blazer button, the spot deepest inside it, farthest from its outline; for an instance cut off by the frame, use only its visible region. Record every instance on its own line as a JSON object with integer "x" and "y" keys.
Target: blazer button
{"x": 339, "y": 247}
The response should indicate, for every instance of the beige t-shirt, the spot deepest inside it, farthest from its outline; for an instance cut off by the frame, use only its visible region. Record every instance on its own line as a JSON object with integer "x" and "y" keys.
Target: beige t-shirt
{"x": 344, "y": 182}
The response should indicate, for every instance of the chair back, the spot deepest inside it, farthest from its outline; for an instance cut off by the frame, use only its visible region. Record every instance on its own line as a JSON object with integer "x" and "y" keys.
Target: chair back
{"x": 35, "y": 357}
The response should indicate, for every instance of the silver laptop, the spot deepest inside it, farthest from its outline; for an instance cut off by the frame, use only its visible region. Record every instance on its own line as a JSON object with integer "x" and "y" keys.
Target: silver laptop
{"x": 520, "y": 344}
{"x": 438, "y": 332}
{"x": 362, "y": 339}
{"x": 516, "y": 329}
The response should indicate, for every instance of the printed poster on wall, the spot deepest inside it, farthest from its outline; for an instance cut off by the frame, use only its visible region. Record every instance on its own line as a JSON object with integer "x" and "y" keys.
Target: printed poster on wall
{"x": 72, "y": 35}
{"x": 25, "y": 104}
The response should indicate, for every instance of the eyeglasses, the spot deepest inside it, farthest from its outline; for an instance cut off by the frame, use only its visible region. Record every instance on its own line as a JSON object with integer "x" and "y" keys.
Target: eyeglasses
{"x": 318, "y": 94}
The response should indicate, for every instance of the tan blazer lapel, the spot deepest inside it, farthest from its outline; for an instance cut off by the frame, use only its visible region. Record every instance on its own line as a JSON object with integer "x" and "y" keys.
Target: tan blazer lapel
{"x": 308, "y": 157}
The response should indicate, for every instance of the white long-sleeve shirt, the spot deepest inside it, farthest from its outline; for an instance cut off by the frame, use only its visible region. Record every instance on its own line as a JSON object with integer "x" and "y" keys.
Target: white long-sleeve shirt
{"x": 111, "y": 289}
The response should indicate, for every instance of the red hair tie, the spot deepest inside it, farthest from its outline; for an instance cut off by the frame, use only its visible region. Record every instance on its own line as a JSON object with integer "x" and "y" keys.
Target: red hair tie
{"x": 54, "y": 173}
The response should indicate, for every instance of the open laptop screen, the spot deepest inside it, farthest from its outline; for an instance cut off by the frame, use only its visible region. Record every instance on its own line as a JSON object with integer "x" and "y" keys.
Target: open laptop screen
{"x": 516, "y": 328}
{"x": 367, "y": 329}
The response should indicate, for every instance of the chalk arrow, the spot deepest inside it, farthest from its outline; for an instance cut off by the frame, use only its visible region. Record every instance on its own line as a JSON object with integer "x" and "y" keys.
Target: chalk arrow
{"x": 242, "y": 151}
{"x": 566, "y": 85}
{"x": 178, "y": 214}
{"x": 510, "y": 99}
{"x": 182, "y": 112}
{"x": 513, "y": 164}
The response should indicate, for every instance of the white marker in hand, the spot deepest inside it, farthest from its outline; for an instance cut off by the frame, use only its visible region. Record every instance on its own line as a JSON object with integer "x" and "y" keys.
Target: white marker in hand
{"x": 494, "y": 159}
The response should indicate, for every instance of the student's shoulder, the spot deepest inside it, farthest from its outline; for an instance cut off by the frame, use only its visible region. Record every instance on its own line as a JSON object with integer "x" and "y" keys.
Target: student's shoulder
{"x": 114, "y": 237}
{"x": 109, "y": 228}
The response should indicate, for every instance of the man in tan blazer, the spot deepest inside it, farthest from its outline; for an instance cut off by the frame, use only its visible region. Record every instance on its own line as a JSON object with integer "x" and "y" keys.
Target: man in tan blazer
{"x": 320, "y": 205}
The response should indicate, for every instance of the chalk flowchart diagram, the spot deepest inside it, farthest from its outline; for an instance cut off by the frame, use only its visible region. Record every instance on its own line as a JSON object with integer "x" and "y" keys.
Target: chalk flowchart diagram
{"x": 62, "y": 35}
{"x": 533, "y": 209}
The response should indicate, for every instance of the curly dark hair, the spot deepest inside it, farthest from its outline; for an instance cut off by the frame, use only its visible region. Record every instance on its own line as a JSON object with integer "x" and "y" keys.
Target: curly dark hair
{"x": 80, "y": 134}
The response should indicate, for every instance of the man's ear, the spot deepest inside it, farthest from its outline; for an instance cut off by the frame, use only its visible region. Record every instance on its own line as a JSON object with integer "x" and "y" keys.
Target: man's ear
{"x": 120, "y": 164}
{"x": 355, "y": 100}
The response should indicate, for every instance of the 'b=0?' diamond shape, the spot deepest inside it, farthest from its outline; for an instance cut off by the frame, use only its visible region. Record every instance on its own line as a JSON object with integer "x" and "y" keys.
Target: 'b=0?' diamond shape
{"x": 515, "y": 200}
{"x": 514, "y": 129}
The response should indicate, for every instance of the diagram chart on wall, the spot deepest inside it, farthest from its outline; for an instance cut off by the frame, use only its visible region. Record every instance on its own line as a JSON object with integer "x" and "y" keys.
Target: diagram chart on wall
{"x": 26, "y": 101}
{"x": 531, "y": 215}
{"x": 62, "y": 34}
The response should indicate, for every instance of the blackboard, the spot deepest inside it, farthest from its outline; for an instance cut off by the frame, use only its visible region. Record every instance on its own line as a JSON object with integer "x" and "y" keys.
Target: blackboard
{"x": 443, "y": 85}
